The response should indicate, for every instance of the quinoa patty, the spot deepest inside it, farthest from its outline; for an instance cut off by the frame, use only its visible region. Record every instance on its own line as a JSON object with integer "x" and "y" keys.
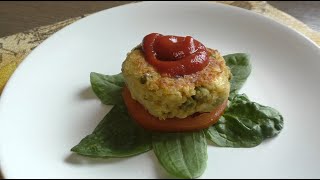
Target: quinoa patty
{"x": 168, "y": 97}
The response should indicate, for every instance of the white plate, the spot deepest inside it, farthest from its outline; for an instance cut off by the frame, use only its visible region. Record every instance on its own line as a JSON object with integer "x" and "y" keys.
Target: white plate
{"x": 48, "y": 106}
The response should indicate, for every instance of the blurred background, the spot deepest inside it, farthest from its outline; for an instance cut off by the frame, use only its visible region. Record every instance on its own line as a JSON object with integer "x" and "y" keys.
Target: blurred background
{"x": 18, "y": 16}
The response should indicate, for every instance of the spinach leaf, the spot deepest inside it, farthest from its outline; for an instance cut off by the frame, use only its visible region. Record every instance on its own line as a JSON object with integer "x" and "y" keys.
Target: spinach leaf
{"x": 108, "y": 88}
{"x": 231, "y": 132}
{"x": 245, "y": 124}
{"x": 240, "y": 68}
{"x": 117, "y": 135}
{"x": 182, "y": 154}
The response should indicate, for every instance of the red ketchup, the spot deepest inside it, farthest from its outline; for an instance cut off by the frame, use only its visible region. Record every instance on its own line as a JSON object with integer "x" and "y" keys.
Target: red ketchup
{"x": 174, "y": 55}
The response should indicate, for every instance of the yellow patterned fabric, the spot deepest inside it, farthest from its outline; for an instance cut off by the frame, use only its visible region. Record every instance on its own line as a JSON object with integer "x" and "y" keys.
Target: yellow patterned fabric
{"x": 14, "y": 48}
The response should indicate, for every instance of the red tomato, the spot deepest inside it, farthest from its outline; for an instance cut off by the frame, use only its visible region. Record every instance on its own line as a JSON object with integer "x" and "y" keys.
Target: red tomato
{"x": 190, "y": 123}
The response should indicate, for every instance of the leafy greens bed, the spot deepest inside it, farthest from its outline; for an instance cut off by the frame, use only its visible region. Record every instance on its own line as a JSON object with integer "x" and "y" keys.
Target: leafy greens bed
{"x": 243, "y": 124}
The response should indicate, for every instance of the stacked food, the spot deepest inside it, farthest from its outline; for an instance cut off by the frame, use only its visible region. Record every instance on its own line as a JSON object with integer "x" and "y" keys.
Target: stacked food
{"x": 173, "y": 95}
{"x": 178, "y": 83}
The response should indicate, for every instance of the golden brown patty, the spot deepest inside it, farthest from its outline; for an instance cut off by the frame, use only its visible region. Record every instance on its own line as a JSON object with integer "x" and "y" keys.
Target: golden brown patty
{"x": 168, "y": 97}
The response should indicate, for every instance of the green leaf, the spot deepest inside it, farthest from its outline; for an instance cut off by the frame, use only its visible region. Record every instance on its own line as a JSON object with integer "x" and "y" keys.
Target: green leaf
{"x": 183, "y": 155}
{"x": 116, "y": 136}
{"x": 270, "y": 121}
{"x": 240, "y": 68}
{"x": 245, "y": 124}
{"x": 108, "y": 88}
{"x": 231, "y": 132}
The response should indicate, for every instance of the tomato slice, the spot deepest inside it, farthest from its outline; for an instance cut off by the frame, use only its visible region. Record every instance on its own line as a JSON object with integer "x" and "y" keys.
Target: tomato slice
{"x": 190, "y": 123}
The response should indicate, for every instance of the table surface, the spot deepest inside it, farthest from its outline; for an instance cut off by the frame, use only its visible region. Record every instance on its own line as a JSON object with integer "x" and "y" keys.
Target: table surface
{"x": 21, "y": 16}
